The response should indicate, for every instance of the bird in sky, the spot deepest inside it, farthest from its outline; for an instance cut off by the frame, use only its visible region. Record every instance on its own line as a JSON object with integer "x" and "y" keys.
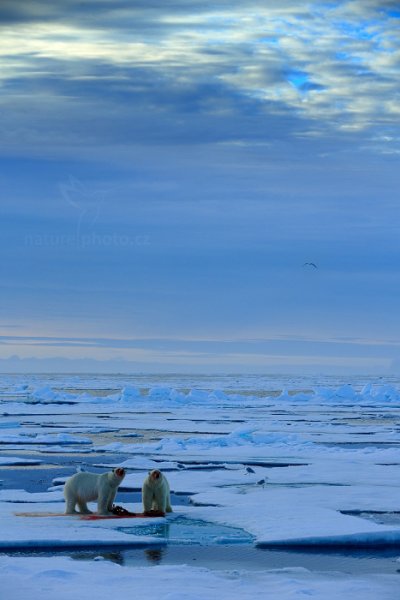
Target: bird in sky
{"x": 310, "y": 264}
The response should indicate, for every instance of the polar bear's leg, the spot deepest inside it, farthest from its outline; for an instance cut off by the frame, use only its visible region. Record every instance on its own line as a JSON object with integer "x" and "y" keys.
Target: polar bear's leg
{"x": 83, "y": 508}
{"x": 70, "y": 506}
{"x": 105, "y": 500}
{"x": 107, "y": 503}
{"x": 111, "y": 498}
{"x": 147, "y": 498}
{"x": 160, "y": 501}
{"x": 102, "y": 507}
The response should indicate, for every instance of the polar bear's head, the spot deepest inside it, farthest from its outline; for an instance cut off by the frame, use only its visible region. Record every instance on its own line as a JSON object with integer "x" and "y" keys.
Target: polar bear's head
{"x": 119, "y": 472}
{"x": 155, "y": 476}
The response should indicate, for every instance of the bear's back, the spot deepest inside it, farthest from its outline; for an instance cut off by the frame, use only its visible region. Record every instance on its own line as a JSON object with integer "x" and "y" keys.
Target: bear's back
{"x": 83, "y": 481}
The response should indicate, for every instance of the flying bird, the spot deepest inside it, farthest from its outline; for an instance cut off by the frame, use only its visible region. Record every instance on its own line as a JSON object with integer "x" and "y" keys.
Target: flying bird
{"x": 310, "y": 264}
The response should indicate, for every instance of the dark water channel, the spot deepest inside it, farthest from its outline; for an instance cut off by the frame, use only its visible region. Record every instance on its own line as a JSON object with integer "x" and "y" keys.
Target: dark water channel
{"x": 240, "y": 557}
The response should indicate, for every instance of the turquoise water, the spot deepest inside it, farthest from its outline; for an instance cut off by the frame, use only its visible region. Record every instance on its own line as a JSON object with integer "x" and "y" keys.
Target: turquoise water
{"x": 185, "y": 531}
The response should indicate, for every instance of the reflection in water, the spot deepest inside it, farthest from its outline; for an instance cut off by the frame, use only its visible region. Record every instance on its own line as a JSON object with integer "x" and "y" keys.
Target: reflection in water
{"x": 115, "y": 557}
{"x": 163, "y": 530}
{"x": 243, "y": 556}
{"x": 154, "y": 555}
{"x": 183, "y": 530}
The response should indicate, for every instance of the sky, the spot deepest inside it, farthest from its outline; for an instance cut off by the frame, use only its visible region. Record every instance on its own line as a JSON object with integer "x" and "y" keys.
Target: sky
{"x": 196, "y": 186}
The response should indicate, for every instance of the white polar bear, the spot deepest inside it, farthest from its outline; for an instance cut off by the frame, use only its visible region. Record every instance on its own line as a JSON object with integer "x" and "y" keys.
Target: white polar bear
{"x": 155, "y": 492}
{"x": 87, "y": 487}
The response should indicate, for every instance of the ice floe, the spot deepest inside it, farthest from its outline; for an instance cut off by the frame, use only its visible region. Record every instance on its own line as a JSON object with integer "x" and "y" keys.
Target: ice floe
{"x": 299, "y": 466}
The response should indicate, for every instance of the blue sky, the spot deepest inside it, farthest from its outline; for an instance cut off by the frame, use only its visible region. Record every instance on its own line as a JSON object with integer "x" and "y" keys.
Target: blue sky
{"x": 168, "y": 169}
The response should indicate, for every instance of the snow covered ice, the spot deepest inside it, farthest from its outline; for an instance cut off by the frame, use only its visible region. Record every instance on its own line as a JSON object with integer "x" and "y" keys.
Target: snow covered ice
{"x": 299, "y": 466}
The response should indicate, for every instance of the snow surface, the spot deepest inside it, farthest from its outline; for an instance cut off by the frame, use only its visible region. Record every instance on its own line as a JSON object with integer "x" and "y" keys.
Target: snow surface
{"x": 284, "y": 464}
{"x": 63, "y": 578}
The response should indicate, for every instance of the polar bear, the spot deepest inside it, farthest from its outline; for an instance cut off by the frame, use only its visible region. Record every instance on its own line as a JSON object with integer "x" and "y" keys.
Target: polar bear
{"x": 85, "y": 487}
{"x": 155, "y": 492}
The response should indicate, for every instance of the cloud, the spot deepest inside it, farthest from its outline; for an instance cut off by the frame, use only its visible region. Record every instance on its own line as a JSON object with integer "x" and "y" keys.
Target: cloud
{"x": 212, "y": 150}
{"x": 214, "y": 63}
